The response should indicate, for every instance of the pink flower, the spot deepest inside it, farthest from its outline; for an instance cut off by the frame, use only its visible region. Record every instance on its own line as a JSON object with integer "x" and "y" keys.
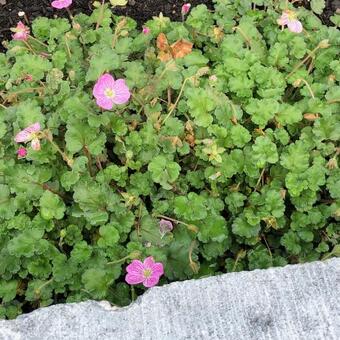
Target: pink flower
{"x": 147, "y": 272}
{"x": 30, "y": 134}
{"x": 186, "y": 8}
{"x": 21, "y": 152}
{"x": 289, "y": 18}
{"x": 108, "y": 92}
{"x": 59, "y": 4}
{"x": 165, "y": 226}
{"x": 146, "y": 30}
{"x": 21, "y": 32}
{"x": 28, "y": 77}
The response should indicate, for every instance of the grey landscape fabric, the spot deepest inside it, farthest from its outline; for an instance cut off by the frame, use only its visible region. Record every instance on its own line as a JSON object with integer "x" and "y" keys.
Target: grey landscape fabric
{"x": 293, "y": 302}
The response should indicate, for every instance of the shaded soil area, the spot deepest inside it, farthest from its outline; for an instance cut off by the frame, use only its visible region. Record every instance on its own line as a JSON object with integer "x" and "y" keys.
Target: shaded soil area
{"x": 140, "y": 10}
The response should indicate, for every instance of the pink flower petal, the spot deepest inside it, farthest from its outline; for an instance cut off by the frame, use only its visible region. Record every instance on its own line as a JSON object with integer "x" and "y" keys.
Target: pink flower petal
{"x": 157, "y": 269}
{"x": 59, "y": 4}
{"x": 22, "y": 136}
{"x": 104, "y": 103}
{"x": 122, "y": 92}
{"x": 135, "y": 266}
{"x": 148, "y": 262}
{"x": 35, "y": 144}
{"x": 26, "y": 134}
{"x": 21, "y": 32}
{"x": 104, "y": 82}
{"x": 33, "y": 128}
{"x": 295, "y": 26}
{"x": 134, "y": 279}
{"x": 283, "y": 20}
{"x": 151, "y": 281}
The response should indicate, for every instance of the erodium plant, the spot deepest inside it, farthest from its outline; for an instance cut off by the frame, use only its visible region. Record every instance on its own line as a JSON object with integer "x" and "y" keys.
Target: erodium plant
{"x": 193, "y": 148}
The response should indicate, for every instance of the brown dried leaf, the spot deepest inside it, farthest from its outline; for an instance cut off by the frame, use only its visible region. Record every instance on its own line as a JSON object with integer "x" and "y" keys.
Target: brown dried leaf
{"x": 311, "y": 116}
{"x": 181, "y": 48}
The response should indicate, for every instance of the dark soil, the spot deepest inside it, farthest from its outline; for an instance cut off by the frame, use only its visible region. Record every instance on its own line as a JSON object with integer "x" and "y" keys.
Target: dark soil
{"x": 140, "y": 10}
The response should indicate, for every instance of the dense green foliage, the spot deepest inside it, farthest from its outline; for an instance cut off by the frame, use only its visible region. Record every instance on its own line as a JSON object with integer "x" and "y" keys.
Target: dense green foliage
{"x": 236, "y": 142}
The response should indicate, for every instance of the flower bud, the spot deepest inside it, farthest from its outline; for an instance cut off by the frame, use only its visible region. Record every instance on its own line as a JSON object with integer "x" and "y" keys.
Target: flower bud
{"x": 324, "y": 43}
{"x": 186, "y": 8}
{"x": 135, "y": 255}
{"x": 146, "y": 30}
{"x": 297, "y": 83}
{"x": 332, "y": 164}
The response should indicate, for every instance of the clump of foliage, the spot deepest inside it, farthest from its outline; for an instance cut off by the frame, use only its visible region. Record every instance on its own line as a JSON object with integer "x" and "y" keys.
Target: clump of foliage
{"x": 233, "y": 141}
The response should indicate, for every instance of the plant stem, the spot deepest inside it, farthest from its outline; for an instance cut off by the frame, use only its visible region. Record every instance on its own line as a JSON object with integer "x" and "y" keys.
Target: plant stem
{"x": 259, "y": 180}
{"x": 248, "y": 41}
{"x": 99, "y": 164}
{"x": 88, "y": 155}
{"x": 68, "y": 160}
{"x": 47, "y": 187}
{"x": 29, "y": 46}
{"x": 265, "y": 241}
{"x": 38, "y": 41}
{"x": 308, "y": 87}
{"x": 176, "y": 102}
{"x": 101, "y": 14}
{"x": 118, "y": 28}
{"x": 38, "y": 290}
{"x": 67, "y": 48}
{"x": 310, "y": 55}
{"x": 333, "y": 101}
{"x": 133, "y": 293}
{"x": 169, "y": 97}
{"x": 118, "y": 261}
{"x": 192, "y": 263}
{"x": 69, "y": 13}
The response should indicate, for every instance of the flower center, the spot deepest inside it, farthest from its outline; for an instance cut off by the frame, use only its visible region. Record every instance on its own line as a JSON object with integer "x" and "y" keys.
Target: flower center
{"x": 147, "y": 273}
{"x": 109, "y": 93}
{"x": 291, "y": 15}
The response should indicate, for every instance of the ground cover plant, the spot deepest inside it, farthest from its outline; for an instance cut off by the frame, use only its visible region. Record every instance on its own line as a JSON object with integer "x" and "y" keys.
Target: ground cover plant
{"x": 132, "y": 157}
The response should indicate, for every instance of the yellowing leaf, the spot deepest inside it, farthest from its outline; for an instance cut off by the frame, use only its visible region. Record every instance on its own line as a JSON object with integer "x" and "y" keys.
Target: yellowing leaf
{"x": 118, "y": 2}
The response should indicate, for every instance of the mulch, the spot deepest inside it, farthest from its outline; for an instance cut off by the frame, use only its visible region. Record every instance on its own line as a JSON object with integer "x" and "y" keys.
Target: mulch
{"x": 140, "y": 10}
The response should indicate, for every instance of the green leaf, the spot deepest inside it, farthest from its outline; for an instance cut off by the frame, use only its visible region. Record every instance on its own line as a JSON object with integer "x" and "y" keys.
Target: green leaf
{"x": 213, "y": 228}
{"x": 262, "y": 110}
{"x": 96, "y": 281}
{"x": 80, "y": 135}
{"x": 240, "y": 135}
{"x": 102, "y": 60}
{"x": 163, "y": 171}
{"x": 51, "y": 206}
{"x": 288, "y": 114}
{"x": 30, "y": 64}
{"x": 24, "y": 244}
{"x": 242, "y": 228}
{"x": 190, "y": 207}
{"x": 200, "y": 105}
{"x": 109, "y": 236}
{"x": 264, "y": 151}
{"x": 8, "y": 290}
{"x": 291, "y": 242}
{"x": 318, "y": 6}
